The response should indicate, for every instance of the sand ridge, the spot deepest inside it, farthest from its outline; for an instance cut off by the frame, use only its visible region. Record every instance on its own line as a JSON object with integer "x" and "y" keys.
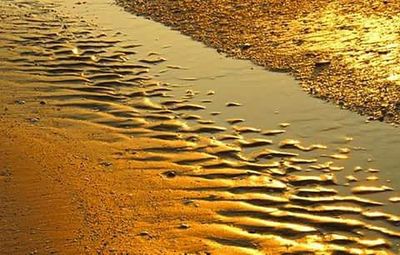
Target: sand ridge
{"x": 147, "y": 175}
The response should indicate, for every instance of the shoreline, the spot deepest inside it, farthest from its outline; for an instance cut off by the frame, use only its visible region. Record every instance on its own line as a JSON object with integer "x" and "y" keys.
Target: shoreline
{"x": 270, "y": 35}
{"x": 152, "y": 162}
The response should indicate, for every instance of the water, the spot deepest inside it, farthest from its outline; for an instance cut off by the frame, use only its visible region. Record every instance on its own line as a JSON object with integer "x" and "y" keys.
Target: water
{"x": 259, "y": 192}
{"x": 262, "y": 93}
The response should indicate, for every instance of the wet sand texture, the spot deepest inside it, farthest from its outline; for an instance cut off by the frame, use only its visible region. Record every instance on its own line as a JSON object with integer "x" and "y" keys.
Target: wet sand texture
{"x": 159, "y": 182}
{"x": 342, "y": 51}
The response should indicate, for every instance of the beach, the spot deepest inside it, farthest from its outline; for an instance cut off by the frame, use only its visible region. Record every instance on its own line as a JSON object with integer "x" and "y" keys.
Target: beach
{"x": 122, "y": 136}
{"x": 343, "y": 51}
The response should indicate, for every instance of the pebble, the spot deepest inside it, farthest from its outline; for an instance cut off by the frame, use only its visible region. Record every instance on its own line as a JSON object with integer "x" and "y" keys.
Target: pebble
{"x": 169, "y": 174}
{"x": 144, "y": 233}
{"x": 245, "y": 46}
{"x": 184, "y": 226}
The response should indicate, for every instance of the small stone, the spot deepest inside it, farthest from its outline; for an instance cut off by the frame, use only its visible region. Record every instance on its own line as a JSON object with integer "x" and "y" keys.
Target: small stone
{"x": 322, "y": 63}
{"x": 184, "y": 226}
{"x": 42, "y": 102}
{"x": 169, "y": 174}
{"x": 187, "y": 202}
{"x": 144, "y": 233}
{"x": 20, "y": 102}
{"x": 245, "y": 46}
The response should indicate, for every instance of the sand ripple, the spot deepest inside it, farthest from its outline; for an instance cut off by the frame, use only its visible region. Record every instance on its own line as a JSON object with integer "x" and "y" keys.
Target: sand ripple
{"x": 270, "y": 196}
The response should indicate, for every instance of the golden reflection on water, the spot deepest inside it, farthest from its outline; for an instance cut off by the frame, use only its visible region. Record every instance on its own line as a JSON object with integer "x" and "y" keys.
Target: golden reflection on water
{"x": 261, "y": 195}
{"x": 367, "y": 42}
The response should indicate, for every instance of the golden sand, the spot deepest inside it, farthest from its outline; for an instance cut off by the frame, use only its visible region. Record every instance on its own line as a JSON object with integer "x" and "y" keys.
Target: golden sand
{"x": 98, "y": 156}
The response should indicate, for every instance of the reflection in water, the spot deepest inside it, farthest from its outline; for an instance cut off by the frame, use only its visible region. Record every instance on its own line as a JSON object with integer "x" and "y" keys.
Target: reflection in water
{"x": 269, "y": 193}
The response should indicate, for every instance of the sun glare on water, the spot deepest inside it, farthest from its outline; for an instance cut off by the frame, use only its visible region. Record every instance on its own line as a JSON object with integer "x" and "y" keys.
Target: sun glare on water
{"x": 365, "y": 42}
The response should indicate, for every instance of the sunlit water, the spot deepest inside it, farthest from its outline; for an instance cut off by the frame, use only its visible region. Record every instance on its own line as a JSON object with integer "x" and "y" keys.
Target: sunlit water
{"x": 258, "y": 195}
{"x": 268, "y": 98}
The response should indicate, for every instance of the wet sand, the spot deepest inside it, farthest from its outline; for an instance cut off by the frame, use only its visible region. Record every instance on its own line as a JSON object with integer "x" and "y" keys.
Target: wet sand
{"x": 63, "y": 189}
{"x": 151, "y": 166}
{"x": 344, "y": 52}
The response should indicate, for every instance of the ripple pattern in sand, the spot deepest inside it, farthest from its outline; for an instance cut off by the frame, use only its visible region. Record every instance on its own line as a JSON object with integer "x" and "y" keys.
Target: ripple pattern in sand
{"x": 270, "y": 195}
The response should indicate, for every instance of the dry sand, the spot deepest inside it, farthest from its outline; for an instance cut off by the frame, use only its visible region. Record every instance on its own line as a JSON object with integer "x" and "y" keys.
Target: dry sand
{"x": 342, "y": 51}
{"x": 63, "y": 193}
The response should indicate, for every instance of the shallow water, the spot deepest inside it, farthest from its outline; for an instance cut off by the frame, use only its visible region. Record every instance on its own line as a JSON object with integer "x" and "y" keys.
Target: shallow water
{"x": 262, "y": 93}
{"x": 341, "y": 51}
{"x": 257, "y": 190}
{"x": 268, "y": 98}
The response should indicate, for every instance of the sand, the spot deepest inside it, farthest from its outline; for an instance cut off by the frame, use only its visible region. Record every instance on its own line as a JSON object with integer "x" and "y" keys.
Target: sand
{"x": 59, "y": 197}
{"x": 341, "y": 51}
{"x": 100, "y": 156}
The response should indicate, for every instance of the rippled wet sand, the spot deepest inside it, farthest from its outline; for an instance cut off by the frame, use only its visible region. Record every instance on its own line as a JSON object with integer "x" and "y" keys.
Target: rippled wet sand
{"x": 342, "y": 51}
{"x": 270, "y": 192}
